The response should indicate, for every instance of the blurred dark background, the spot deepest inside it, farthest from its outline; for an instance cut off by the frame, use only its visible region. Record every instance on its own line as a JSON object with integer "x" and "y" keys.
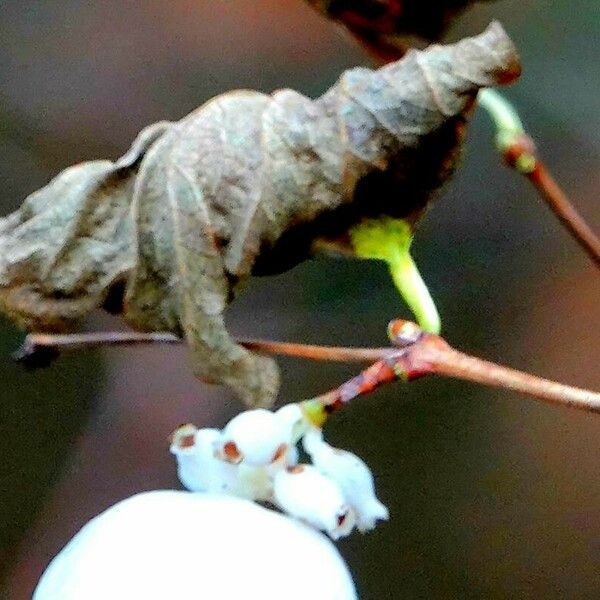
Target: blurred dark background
{"x": 491, "y": 495}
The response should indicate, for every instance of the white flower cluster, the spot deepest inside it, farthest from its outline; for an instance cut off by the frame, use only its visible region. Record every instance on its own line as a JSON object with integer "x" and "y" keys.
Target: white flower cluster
{"x": 255, "y": 457}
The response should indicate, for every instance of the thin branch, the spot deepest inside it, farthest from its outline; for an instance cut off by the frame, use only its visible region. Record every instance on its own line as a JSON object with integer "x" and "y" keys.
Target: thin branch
{"x": 462, "y": 366}
{"x": 87, "y": 341}
{"x": 519, "y": 152}
{"x": 39, "y": 348}
{"x": 316, "y": 352}
{"x": 415, "y": 354}
{"x": 428, "y": 354}
{"x": 560, "y": 204}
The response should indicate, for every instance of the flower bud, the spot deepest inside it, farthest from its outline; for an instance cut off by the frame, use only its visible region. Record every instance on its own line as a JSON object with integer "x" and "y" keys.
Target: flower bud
{"x": 254, "y": 437}
{"x": 351, "y": 474}
{"x": 197, "y": 468}
{"x": 305, "y": 493}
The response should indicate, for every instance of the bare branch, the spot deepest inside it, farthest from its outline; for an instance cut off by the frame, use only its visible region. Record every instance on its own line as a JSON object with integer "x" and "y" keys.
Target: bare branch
{"x": 519, "y": 152}
{"x": 562, "y": 207}
{"x": 39, "y": 347}
{"x": 428, "y": 354}
{"x": 415, "y": 354}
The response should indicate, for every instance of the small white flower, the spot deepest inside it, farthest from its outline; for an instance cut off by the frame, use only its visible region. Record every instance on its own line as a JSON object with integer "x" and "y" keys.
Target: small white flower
{"x": 256, "y": 437}
{"x": 305, "y": 493}
{"x": 197, "y": 468}
{"x": 351, "y": 474}
{"x": 255, "y": 457}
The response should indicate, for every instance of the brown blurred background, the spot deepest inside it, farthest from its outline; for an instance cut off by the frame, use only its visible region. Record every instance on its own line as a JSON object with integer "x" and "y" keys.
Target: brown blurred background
{"x": 491, "y": 494}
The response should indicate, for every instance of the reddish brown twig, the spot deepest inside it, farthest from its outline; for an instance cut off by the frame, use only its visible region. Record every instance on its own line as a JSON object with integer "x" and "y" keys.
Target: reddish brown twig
{"x": 414, "y": 355}
{"x": 39, "y": 349}
{"x": 427, "y": 354}
{"x": 554, "y": 196}
{"x": 315, "y": 352}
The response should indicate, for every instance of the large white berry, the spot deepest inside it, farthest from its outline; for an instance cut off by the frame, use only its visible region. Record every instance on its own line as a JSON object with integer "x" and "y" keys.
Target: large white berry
{"x": 164, "y": 545}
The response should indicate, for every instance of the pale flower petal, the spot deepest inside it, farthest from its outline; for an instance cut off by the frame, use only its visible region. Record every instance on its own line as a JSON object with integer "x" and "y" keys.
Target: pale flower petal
{"x": 292, "y": 457}
{"x": 305, "y": 493}
{"x": 292, "y": 416}
{"x": 255, "y": 457}
{"x": 197, "y": 468}
{"x": 351, "y": 474}
{"x": 193, "y": 450}
{"x": 256, "y": 437}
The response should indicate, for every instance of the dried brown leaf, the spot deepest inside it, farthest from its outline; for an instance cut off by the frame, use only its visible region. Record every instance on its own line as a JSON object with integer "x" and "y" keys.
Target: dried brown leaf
{"x": 241, "y": 186}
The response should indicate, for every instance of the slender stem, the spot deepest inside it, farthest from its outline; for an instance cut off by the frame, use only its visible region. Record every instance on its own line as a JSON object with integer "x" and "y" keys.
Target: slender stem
{"x": 451, "y": 363}
{"x": 38, "y": 342}
{"x": 431, "y": 355}
{"x": 414, "y": 290}
{"x": 315, "y": 352}
{"x": 390, "y": 240}
{"x": 378, "y": 374}
{"x": 87, "y": 341}
{"x": 506, "y": 119}
{"x": 561, "y": 206}
{"x": 416, "y": 354}
{"x": 519, "y": 152}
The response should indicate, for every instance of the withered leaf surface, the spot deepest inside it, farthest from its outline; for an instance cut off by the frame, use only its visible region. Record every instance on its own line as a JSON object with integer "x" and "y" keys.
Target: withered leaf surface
{"x": 242, "y": 185}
